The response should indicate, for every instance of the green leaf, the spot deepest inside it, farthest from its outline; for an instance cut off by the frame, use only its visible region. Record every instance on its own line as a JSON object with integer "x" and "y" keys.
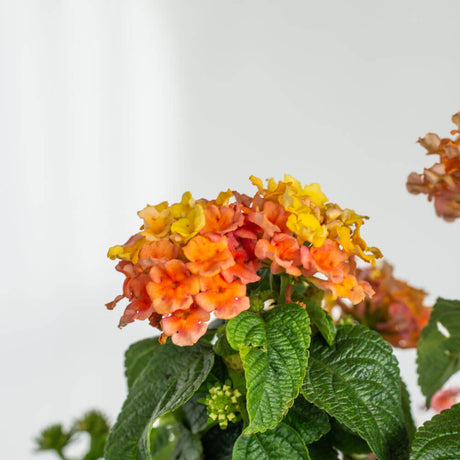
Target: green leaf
{"x": 274, "y": 351}
{"x": 170, "y": 378}
{"x": 174, "y": 442}
{"x": 162, "y": 442}
{"x": 357, "y": 382}
{"x": 188, "y": 445}
{"x": 218, "y": 443}
{"x": 323, "y": 450}
{"x": 137, "y": 357}
{"x": 281, "y": 443}
{"x": 54, "y": 437}
{"x": 222, "y": 347}
{"x": 309, "y": 421}
{"x": 405, "y": 403}
{"x": 346, "y": 441}
{"x": 438, "y": 356}
{"x": 321, "y": 319}
{"x": 95, "y": 424}
{"x": 439, "y": 438}
{"x": 195, "y": 414}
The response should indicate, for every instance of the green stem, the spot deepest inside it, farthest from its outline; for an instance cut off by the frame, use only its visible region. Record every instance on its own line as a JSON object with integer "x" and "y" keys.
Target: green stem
{"x": 284, "y": 285}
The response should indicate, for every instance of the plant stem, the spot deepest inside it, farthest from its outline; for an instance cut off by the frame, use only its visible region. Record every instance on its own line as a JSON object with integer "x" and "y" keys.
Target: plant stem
{"x": 284, "y": 285}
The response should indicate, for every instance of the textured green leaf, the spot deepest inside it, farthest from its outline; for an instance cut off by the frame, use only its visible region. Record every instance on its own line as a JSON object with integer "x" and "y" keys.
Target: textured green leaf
{"x": 357, "y": 382}
{"x": 137, "y": 357}
{"x": 281, "y": 443}
{"x": 195, "y": 413}
{"x": 308, "y": 420}
{"x": 439, "y": 438}
{"x": 218, "y": 443}
{"x": 170, "y": 378}
{"x": 346, "y": 441}
{"x": 321, "y": 319}
{"x": 274, "y": 351}
{"x": 438, "y": 356}
{"x": 405, "y": 403}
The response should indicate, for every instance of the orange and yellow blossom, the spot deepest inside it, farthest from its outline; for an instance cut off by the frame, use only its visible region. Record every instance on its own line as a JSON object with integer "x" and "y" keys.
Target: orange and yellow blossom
{"x": 349, "y": 288}
{"x": 441, "y": 182}
{"x": 226, "y": 300}
{"x": 128, "y": 251}
{"x": 157, "y": 221}
{"x": 172, "y": 287}
{"x": 284, "y": 252}
{"x": 156, "y": 250}
{"x": 197, "y": 257}
{"x": 271, "y": 219}
{"x": 185, "y": 327}
{"x": 208, "y": 257}
{"x": 221, "y": 220}
{"x": 246, "y": 263}
{"x": 329, "y": 260}
{"x": 134, "y": 289}
{"x": 396, "y": 311}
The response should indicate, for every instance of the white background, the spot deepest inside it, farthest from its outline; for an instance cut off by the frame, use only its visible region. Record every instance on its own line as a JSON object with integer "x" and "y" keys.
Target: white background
{"x": 108, "y": 105}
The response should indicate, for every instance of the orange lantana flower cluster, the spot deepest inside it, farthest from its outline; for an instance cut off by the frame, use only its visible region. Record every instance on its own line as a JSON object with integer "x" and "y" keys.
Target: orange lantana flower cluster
{"x": 396, "y": 310}
{"x": 441, "y": 182}
{"x": 194, "y": 258}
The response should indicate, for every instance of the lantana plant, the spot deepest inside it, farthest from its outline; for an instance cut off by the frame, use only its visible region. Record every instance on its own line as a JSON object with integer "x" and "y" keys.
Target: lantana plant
{"x": 276, "y": 326}
{"x": 250, "y": 362}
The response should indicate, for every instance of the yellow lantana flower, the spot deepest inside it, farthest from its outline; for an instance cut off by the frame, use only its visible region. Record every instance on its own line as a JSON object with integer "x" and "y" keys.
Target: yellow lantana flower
{"x": 157, "y": 221}
{"x": 128, "y": 251}
{"x": 189, "y": 225}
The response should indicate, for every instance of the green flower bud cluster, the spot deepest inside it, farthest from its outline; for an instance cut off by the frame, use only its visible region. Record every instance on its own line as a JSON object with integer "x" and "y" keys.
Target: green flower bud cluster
{"x": 222, "y": 404}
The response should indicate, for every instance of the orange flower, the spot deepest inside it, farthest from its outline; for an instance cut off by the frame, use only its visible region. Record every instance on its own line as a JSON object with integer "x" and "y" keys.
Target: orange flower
{"x": 162, "y": 249}
{"x": 173, "y": 286}
{"x": 349, "y": 288}
{"x": 208, "y": 257}
{"x": 185, "y": 327}
{"x": 441, "y": 182}
{"x": 284, "y": 252}
{"x": 226, "y": 300}
{"x": 222, "y": 220}
{"x": 329, "y": 259}
{"x": 134, "y": 289}
{"x": 272, "y": 219}
{"x": 246, "y": 264}
{"x": 396, "y": 311}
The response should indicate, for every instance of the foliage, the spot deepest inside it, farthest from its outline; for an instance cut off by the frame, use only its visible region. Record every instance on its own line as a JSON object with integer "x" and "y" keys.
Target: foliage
{"x": 56, "y": 438}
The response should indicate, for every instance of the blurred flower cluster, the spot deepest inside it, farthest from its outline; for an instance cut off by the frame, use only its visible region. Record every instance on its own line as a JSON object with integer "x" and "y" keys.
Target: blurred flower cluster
{"x": 396, "y": 310}
{"x": 196, "y": 257}
{"x": 441, "y": 182}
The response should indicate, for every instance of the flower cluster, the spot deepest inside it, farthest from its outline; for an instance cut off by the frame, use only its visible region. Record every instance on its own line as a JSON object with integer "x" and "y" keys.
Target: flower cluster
{"x": 194, "y": 258}
{"x": 223, "y": 403}
{"x": 396, "y": 310}
{"x": 442, "y": 180}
